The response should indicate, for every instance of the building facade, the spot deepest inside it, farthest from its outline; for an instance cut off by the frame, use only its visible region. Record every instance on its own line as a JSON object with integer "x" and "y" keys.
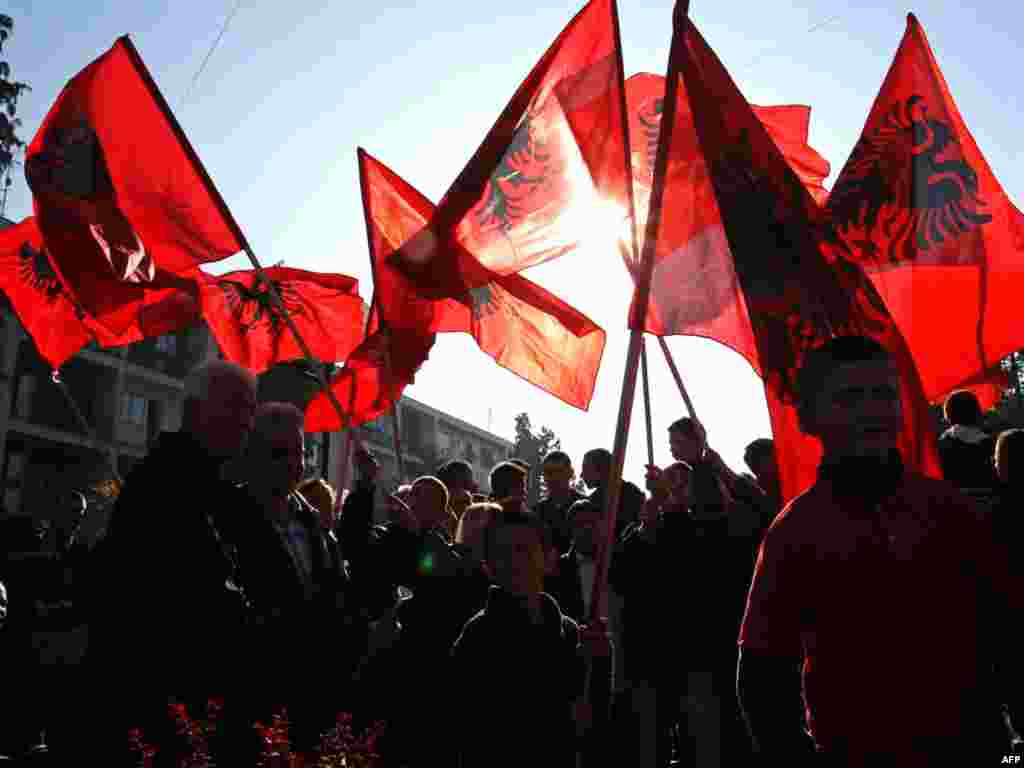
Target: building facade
{"x": 128, "y": 395}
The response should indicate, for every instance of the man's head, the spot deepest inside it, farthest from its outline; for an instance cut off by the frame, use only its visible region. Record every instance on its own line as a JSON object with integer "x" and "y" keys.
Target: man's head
{"x": 962, "y": 408}
{"x": 508, "y": 480}
{"x": 457, "y": 476}
{"x": 1010, "y": 456}
{"x": 587, "y": 530}
{"x": 428, "y": 501}
{"x": 275, "y": 453}
{"x": 686, "y": 440}
{"x": 849, "y": 398}
{"x": 760, "y": 457}
{"x": 514, "y": 547}
{"x": 322, "y": 497}
{"x": 597, "y": 466}
{"x": 220, "y": 402}
{"x": 473, "y": 524}
{"x": 557, "y": 472}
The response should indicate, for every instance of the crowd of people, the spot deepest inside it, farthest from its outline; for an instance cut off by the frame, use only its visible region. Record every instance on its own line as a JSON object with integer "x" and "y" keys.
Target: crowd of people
{"x": 865, "y": 623}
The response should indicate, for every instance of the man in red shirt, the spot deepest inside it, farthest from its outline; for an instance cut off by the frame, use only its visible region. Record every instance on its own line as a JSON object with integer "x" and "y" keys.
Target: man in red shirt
{"x": 883, "y": 585}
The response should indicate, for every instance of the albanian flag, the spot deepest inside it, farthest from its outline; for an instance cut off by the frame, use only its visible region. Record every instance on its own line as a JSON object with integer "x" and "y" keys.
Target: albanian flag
{"x": 372, "y": 379}
{"x": 524, "y": 327}
{"x": 692, "y": 285}
{"x": 118, "y": 192}
{"x": 789, "y": 295}
{"x": 252, "y": 332}
{"x": 529, "y": 192}
{"x": 48, "y": 314}
{"x": 918, "y": 208}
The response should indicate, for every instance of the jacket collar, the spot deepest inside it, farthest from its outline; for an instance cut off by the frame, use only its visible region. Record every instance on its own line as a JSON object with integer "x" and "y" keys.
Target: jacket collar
{"x": 501, "y": 603}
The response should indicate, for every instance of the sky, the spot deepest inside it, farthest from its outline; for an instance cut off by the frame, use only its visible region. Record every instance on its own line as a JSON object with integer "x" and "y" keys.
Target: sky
{"x": 291, "y": 91}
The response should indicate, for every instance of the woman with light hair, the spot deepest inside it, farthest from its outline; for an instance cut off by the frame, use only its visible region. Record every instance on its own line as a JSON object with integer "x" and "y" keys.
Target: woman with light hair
{"x": 469, "y": 536}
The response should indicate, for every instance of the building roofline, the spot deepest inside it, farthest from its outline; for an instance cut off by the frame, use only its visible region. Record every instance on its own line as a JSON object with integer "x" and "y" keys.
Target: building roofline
{"x": 464, "y": 425}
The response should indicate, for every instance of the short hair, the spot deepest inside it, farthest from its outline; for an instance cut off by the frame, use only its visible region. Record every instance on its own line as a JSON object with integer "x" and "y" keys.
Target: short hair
{"x": 820, "y": 361}
{"x": 558, "y": 457}
{"x": 271, "y": 419}
{"x": 962, "y": 407}
{"x": 319, "y": 493}
{"x": 504, "y": 477}
{"x": 509, "y": 519}
{"x": 434, "y": 481}
{"x": 759, "y": 449}
{"x": 686, "y": 425}
{"x": 600, "y": 458}
{"x": 200, "y": 379}
{"x": 448, "y": 471}
{"x": 519, "y": 463}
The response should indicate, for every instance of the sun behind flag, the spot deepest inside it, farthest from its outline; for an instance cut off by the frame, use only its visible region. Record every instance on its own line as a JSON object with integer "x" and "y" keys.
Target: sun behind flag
{"x": 528, "y": 193}
{"x": 522, "y": 326}
{"x": 918, "y": 207}
{"x": 119, "y": 194}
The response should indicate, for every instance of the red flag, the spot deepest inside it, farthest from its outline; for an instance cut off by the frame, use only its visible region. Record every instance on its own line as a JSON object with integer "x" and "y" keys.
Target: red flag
{"x": 524, "y": 327}
{"x": 919, "y": 208}
{"x": 251, "y": 331}
{"x": 691, "y": 284}
{"x": 373, "y": 378}
{"x": 118, "y": 191}
{"x": 529, "y": 192}
{"x": 787, "y": 295}
{"x": 48, "y": 314}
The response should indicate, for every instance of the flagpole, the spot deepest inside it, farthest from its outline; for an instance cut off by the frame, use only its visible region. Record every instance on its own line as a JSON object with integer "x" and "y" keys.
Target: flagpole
{"x": 643, "y": 290}
{"x": 678, "y": 378}
{"x": 55, "y": 377}
{"x": 229, "y": 218}
{"x": 647, "y": 399}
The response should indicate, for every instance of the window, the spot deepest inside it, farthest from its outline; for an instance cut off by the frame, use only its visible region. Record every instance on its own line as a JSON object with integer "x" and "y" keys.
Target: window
{"x": 168, "y": 344}
{"x": 134, "y": 409}
{"x": 27, "y": 385}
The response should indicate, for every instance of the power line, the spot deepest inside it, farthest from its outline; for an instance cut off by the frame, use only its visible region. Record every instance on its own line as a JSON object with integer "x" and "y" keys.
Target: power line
{"x": 772, "y": 49}
{"x": 209, "y": 53}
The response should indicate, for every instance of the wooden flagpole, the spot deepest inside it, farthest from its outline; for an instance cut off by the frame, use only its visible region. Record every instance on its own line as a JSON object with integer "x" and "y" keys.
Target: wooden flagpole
{"x": 678, "y": 378}
{"x": 598, "y": 603}
{"x": 647, "y": 400}
{"x": 229, "y": 218}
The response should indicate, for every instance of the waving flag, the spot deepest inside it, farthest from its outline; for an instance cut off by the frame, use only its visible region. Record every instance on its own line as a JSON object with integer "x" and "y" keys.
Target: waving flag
{"x": 522, "y": 326}
{"x": 529, "y": 192}
{"x": 252, "y": 332}
{"x": 118, "y": 192}
{"x": 692, "y": 284}
{"x": 787, "y": 295}
{"x": 918, "y": 207}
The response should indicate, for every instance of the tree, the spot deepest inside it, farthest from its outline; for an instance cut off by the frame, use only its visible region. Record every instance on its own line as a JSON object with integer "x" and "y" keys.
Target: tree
{"x": 532, "y": 447}
{"x": 10, "y": 90}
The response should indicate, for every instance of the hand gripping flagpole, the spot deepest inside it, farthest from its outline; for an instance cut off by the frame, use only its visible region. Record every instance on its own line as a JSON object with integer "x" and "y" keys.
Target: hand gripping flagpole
{"x": 218, "y": 199}
{"x": 598, "y": 608}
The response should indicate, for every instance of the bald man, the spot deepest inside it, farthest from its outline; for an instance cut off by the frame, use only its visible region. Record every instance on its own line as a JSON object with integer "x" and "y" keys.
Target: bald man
{"x": 168, "y": 616}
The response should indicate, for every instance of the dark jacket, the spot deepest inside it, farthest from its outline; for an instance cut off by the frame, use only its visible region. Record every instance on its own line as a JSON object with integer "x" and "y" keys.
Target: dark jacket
{"x": 164, "y": 596}
{"x": 631, "y": 504}
{"x": 518, "y": 681}
{"x": 966, "y": 457}
{"x": 557, "y": 518}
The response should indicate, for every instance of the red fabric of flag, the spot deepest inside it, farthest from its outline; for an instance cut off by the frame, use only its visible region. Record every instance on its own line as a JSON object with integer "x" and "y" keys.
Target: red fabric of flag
{"x": 372, "y": 379}
{"x": 521, "y": 325}
{"x": 692, "y": 284}
{"x": 38, "y": 298}
{"x": 251, "y": 330}
{"x": 118, "y": 192}
{"x": 919, "y": 208}
{"x": 528, "y": 193}
{"x": 787, "y": 294}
